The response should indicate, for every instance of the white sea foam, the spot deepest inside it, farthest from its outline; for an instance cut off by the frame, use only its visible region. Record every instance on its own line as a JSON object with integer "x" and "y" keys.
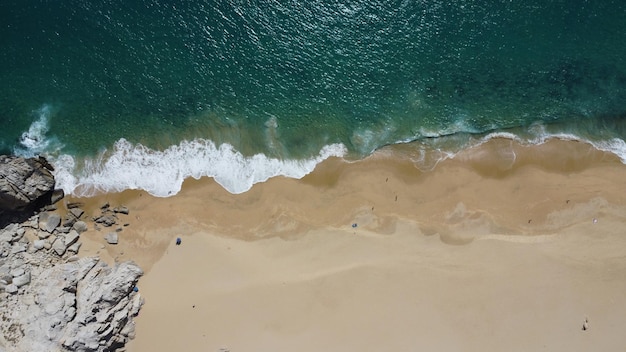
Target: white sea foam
{"x": 35, "y": 141}
{"x": 503, "y": 135}
{"x": 428, "y": 161}
{"x": 615, "y": 146}
{"x": 161, "y": 173}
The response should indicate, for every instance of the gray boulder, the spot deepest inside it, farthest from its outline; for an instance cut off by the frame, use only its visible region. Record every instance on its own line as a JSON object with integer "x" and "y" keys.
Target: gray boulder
{"x": 76, "y": 212}
{"x": 121, "y": 210}
{"x": 71, "y": 238}
{"x": 19, "y": 271}
{"x": 11, "y": 288}
{"x": 43, "y": 235}
{"x": 111, "y": 238}
{"x": 75, "y": 247}
{"x": 80, "y": 226}
{"x": 22, "y": 280}
{"x": 63, "y": 229}
{"x": 23, "y": 182}
{"x": 59, "y": 246}
{"x": 49, "y": 221}
{"x": 38, "y": 244}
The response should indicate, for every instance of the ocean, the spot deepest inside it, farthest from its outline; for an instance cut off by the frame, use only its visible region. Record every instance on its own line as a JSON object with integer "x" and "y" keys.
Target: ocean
{"x": 145, "y": 94}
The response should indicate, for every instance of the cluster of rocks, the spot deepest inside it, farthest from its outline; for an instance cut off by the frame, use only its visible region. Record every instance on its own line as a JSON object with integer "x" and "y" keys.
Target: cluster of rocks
{"x": 108, "y": 218}
{"x": 50, "y": 299}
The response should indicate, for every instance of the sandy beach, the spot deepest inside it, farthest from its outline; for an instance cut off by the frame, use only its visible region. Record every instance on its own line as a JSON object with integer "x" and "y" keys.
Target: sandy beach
{"x": 504, "y": 247}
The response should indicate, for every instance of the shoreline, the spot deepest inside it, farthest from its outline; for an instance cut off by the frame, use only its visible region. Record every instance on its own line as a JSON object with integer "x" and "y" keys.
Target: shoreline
{"x": 486, "y": 251}
{"x": 162, "y": 173}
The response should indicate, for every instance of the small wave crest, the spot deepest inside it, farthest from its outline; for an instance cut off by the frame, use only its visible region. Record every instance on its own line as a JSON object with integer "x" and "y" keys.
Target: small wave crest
{"x": 539, "y": 135}
{"x": 501, "y": 151}
{"x": 161, "y": 173}
{"x": 615, "y": 146}
{"x": 498, "y": 153}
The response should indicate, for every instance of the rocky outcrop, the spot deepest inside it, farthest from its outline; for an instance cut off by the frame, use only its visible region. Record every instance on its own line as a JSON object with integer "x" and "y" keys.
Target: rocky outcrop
{"x": 52, "y": 301}
{"x": 82, "y": 306}
{"x": 24, "y": 182}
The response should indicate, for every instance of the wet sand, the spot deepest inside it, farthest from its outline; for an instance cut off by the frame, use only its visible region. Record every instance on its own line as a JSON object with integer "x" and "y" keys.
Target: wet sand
{"x": 504, "y": 247}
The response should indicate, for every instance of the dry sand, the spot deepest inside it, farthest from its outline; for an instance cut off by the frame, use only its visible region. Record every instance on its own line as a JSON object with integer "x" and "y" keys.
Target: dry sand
{"x": 504, "y": 248}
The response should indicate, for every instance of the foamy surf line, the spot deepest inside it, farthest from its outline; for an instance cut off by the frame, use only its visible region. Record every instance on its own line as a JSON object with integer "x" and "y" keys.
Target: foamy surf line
{"x": 616, "y": 146}
{"x": 161, "y": 173}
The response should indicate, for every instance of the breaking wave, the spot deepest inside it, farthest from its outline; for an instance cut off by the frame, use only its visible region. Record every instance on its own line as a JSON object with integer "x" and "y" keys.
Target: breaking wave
{"x": 36, "y": 141}
{"x": 161, "y": 173}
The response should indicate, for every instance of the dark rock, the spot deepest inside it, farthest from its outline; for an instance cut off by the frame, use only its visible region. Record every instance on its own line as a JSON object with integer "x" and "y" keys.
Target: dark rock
{"x": 121, "y": 210}
{"x": 74, "y": 205}
{"x": 24, "y": 183}
{"x": 45, "y": 163}
{"x": 69, "y": 221}
{"x": 76, "y": 212}
{"x": 56, "y": 196}
{"x": 106, "y": 220}
{"x": 50, "y": 207}
{"x": 63, "y": 229}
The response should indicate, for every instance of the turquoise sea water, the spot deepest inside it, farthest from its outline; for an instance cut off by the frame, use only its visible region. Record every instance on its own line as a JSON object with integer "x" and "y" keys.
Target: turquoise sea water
{"x": 142, "y": 94}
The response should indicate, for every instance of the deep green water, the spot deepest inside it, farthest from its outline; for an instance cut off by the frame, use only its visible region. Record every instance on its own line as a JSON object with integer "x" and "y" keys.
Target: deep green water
{"x": 286, "y": 78}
